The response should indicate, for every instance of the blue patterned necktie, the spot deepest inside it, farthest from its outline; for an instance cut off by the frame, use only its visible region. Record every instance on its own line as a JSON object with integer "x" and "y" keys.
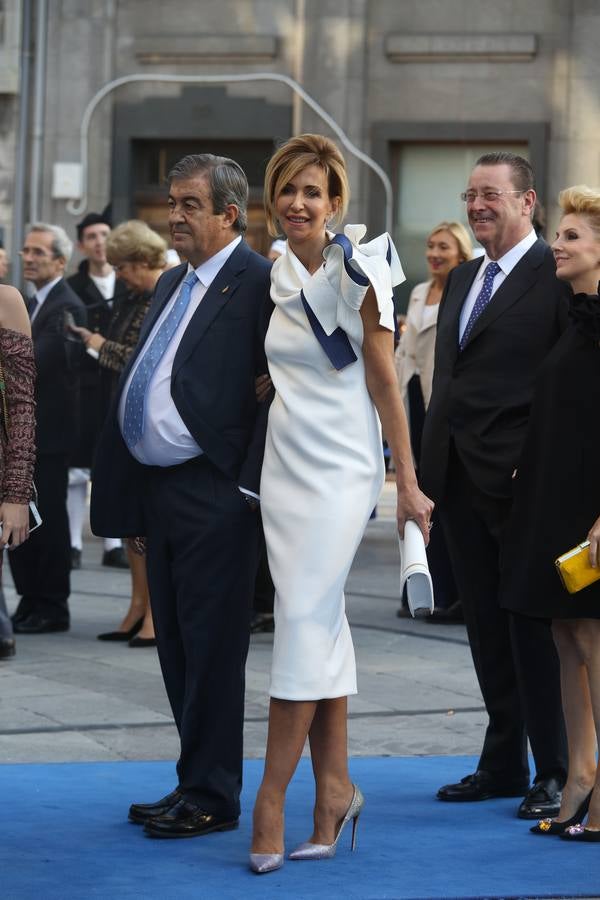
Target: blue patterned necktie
{"x": 483, "y": 298}
{"x": 135, "y": 403}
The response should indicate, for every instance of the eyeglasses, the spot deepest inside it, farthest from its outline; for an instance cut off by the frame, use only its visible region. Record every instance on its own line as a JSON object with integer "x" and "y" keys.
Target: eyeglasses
{"x": 487, "y": 196}
{"x": 37, "y": 252}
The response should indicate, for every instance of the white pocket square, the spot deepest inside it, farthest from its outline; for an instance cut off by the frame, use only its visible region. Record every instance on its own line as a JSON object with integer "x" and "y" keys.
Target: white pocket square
{"x": 414, "y": 571}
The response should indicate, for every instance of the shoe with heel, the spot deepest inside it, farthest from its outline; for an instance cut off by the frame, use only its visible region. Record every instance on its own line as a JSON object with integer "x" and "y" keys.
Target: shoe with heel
{"x": 261, "y": 863}
{"x": 551, "y": 826}
{"x": 307, "y": 850}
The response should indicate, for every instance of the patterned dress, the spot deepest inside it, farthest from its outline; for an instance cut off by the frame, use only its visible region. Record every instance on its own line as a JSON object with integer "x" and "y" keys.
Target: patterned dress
{"x": 17, "y": 435}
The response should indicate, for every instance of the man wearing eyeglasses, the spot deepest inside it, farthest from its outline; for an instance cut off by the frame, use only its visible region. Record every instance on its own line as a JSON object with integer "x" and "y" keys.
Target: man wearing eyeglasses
{"x": 41, "y": 566}
{"x": 499, "y": 317}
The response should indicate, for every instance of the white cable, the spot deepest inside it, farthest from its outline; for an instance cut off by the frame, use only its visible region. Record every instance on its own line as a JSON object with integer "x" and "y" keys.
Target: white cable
{"x": 77, "y": 208}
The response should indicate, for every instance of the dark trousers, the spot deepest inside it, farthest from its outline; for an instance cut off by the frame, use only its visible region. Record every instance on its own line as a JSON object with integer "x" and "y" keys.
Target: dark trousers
{"x": 264, "y": 589}
{"x": 41, "y": 567}
{"x": 202, "y": 540}
{"x": 514, "y": 656}
{"x": 444, "y": 585}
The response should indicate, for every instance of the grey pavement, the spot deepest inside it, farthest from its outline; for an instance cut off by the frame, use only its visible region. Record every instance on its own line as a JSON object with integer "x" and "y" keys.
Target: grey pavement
{"x": 68, "y": 697}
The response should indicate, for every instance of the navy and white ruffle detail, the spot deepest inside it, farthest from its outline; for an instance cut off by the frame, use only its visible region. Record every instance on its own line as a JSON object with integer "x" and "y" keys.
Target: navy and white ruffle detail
{"x": 335, "y": 293}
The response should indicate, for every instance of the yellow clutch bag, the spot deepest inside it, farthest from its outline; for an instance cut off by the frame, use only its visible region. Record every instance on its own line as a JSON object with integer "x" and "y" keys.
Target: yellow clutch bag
{"x": 574, "y": 568}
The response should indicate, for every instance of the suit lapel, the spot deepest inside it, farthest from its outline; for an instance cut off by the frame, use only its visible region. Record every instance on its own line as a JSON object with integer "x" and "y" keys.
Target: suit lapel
{"x": 448, "y": 317}
{"x": 512, "y": 288}
{"x": 217, "y": 296}
{"x": 46, "y": 309}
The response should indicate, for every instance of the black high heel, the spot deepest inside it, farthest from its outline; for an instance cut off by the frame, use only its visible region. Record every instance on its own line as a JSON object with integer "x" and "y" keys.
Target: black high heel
{"x": 122, "y": 635}
{"x": 551, "y": 826}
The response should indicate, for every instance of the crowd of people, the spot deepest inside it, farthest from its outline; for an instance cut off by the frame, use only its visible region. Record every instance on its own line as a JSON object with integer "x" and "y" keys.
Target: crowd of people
{"x": 235, "y": 405}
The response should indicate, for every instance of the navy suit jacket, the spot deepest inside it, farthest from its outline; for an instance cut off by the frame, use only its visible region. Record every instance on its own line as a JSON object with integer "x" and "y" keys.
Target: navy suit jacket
{"x": 57, "y": 362}
{"x": 212, "y": 385}
{"x": 481, "y": 394}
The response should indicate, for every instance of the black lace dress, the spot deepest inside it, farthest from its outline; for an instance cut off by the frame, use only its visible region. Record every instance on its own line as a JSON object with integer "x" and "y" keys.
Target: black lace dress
{"x": 557, "y": 488}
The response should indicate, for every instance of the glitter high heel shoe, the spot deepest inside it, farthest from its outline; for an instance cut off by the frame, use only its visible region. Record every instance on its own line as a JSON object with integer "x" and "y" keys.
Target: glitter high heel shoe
{"x": 551, "y": 826}
{"x": 326, "y": 851}
{"x": 261, "y": 863}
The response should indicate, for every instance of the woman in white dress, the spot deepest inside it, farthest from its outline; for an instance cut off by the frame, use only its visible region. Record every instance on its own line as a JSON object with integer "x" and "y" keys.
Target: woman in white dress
{"x": 330, "y": 352}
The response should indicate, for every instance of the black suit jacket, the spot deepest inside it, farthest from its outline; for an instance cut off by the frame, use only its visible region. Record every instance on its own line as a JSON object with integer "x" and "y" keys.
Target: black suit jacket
{"x": 212, "y": 385}
{"x": 57, "y": 362}
{"x": 482, "y": 394}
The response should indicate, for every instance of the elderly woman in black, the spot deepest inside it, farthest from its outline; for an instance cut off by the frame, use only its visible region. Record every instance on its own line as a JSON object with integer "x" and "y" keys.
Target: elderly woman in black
{"x": 557, "y": 506}
{"x": 139, "y": 257}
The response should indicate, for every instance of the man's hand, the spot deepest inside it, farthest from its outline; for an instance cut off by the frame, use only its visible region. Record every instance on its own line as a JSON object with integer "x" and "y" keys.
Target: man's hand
{"x": 594, "y": 539}
{"x": 262, "y": 386}
{"x": 15, "y": 524}
{"x": 413, "y": 504}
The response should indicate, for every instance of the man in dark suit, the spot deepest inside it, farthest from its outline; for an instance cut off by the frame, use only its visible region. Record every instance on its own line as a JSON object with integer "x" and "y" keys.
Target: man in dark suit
{"x": 499, "y": 317}
{"x": 97, "y": 285}
{"x": 41, "y": 566}
{"x": 179, "y": 463}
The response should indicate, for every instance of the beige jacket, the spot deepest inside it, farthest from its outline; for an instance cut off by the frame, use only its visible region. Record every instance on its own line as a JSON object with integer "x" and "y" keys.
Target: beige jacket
{"x": 414, "y": 354}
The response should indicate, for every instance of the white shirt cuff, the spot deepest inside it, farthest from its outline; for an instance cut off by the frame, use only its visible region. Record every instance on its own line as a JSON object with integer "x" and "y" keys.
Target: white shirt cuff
{"x": 250, "y": 494}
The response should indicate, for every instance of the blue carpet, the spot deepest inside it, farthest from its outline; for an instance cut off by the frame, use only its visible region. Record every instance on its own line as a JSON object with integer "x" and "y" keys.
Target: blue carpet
{"x": 66, "y": 838}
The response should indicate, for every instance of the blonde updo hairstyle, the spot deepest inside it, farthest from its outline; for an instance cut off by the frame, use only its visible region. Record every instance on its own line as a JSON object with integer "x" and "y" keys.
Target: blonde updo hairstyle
{"x": 460, "y": 235}
{"x": 581, "y": 200}
{"x": 294, "y": 156}
{"x": 136, "y": 242}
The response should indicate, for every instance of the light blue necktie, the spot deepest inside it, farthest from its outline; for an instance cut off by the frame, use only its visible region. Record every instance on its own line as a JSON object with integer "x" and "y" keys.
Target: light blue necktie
{"x": 483, "y": 298}
{"x": 135, "y": 403}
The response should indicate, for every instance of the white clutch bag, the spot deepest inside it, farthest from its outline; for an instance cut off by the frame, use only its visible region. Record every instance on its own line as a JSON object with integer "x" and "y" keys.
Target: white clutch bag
{"x": 414, "y": 571}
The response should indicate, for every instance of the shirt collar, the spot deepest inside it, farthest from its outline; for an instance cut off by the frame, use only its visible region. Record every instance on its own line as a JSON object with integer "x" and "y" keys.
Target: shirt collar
{"x": 208, "y": 270}
{"x": 510, "y": 259}
{"x": 42, "y": 293}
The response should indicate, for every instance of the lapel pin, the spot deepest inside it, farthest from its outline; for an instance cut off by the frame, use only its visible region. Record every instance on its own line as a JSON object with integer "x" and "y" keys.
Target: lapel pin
{"x": 225, "y": 289}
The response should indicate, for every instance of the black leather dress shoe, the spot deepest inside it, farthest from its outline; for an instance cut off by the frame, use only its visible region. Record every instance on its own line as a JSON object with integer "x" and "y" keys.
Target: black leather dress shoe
{"x": 452, "y": 615}
{"x": 75, "y": 558}
{"x": 542, "y": 800}
{"x": 188, "y": 820}
{"x": 481, "y": 786}
{"x": 36, "y": 624}
{"x": 141, "y": 812}
{"x": 7, "y": 647}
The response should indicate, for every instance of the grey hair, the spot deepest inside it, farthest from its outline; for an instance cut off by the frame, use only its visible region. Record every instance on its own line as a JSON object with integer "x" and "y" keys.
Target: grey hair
{"x": 62, "y": 245}
{"x": 227, "y": 180}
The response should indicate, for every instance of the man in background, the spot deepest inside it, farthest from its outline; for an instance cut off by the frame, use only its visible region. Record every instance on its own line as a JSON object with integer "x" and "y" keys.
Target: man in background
{"x": 41, "y": 566}
{"x": 98, "y": 287}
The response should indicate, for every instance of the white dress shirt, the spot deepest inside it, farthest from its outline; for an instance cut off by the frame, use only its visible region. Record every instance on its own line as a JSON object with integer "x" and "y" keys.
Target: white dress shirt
{"x": 41, "y": 294}
{"x": 506, "y": 263}
{"x": 166, "y": 441}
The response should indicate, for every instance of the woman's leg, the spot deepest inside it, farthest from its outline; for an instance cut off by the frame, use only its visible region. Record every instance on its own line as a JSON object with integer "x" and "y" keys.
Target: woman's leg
{"x": 140, "y": 597}
{"x": 289, "y": 724}
{"x": 579, "y": 719}
{"x": 139, "y": 588}
{"x": 587, "y": 633}
{"x": 328, "y": 738}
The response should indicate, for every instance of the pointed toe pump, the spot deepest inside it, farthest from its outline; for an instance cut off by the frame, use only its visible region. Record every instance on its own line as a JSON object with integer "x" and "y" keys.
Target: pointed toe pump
{"x": 261, "y": 863}
{"x": 326, "y": 851}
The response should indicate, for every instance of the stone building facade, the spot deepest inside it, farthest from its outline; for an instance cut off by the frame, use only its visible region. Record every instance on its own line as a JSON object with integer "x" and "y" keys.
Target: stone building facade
{"x": 422, "y": 86}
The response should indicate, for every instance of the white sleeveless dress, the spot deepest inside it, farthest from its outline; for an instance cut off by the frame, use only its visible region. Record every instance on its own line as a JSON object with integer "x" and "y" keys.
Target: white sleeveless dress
{"x": 323, "y": 466}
